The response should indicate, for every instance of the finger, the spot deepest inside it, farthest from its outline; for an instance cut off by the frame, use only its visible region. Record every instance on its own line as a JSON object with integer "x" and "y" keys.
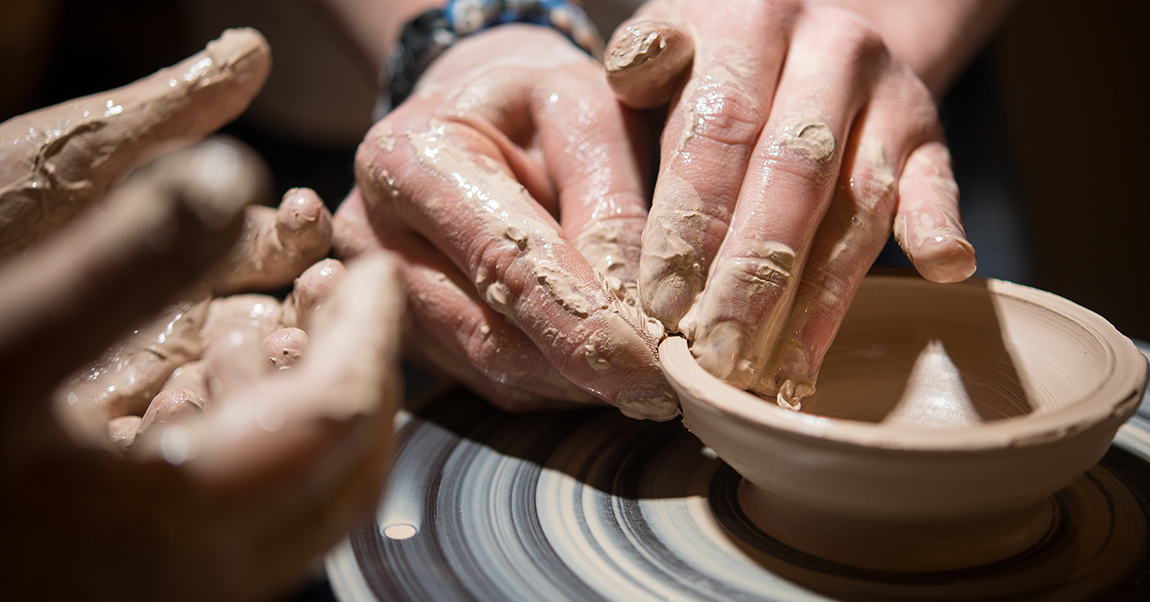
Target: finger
{"x": 928, "y": 226}
{"x": 514, "y": 254}
{"x": 307, "y": 446}
{"x": 235, "y": 359}
{"x": 260, "y": 313}
{"x": 499, "y": 361}
{"x": 169, "y": 407}
{"x": 455, "y": 331}
{"x": 122, "y": 432}
{"x": 159, "y": 233}
{"x": 786, "y": 193}
{"x": 285, "y": 347}
{"x": 193, "y": 377}
{"x": 711, "y": 133}
{"x": 59, "y": 160}
{"x": 900, "y": 122}
{"x": 233, "y": 334}
{"x": 599, "y": 174}
{"x": 277, "y": 244}
{"x": 130, "y": 372}
{"x": 310, "y": 289}
{"x": 647, "y": 61}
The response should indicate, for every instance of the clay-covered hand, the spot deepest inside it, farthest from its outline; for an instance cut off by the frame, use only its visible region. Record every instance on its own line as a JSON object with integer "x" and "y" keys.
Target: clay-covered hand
{"x": 794, "y": 143}
{"x": 512, "y": 186}
{"x": 231, "y": 504}
{"x": 275, "y": 246}
{"x": 58, "y": 161}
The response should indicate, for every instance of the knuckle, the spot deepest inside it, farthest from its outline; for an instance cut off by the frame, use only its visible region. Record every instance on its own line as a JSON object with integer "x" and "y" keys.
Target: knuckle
{"x": 814, "y": 174}
{"x": 501, "y": 359}
{"x": 856, "y": 38}
{"x": 725, "y": 113}
{"x": 761, "y": 272}
{"x": 492, "y": 259}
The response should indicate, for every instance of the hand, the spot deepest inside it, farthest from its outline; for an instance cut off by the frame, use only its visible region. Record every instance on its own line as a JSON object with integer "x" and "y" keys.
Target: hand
{"x": 233, "y": 504}
{"x": 794, "y": 142}
{"x": 512, "y": 187}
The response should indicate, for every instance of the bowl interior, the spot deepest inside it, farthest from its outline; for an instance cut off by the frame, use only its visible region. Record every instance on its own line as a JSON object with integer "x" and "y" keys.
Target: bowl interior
{"x": 916, "y": 365}
{"x": 916, "y": 354}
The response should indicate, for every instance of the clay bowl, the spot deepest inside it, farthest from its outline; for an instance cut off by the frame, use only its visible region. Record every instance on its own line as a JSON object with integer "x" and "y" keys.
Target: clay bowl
{"x": 945, "y": 418}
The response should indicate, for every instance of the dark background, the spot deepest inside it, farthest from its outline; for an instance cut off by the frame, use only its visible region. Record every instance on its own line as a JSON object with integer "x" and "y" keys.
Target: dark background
{"x": 1049, "y": 131}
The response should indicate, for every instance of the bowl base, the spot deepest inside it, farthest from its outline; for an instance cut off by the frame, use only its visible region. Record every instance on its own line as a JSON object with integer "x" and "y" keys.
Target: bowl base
{"x": 899, "y": 546}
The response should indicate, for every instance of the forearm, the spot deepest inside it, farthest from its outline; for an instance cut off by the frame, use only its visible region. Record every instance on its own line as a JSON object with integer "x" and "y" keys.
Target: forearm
{"x": 374, "y": 25}
{"x": 937, "y": 39}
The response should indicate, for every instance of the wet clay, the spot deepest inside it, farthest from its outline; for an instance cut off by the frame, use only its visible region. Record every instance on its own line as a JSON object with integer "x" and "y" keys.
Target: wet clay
{"x": 724, "y": 340}
{"x": 645, "y": 60}
{"x": 61, "y": 159}
{"x": 671, "y": 269}
{"x": 277, "y": 244}
{"x": 508, "y": 214}
{"x": 810, "y": 137}
{"x": 945, "y": 418}
{"x": 124, "y": 380}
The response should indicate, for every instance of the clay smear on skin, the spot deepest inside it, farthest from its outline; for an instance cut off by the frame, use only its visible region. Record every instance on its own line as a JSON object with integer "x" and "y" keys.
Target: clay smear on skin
{"x": 504, "y": 206}
{"x": 671, "y": 266}
{"x": 645, "y": 44}
{"x": 810, "y": 137}
{"x": 126, "y": 378}
{"x": 70, "y": 158}
{"x": 787, "y": 376}
{"x": 717, "y": 337}
{"x": 600, "y": 243}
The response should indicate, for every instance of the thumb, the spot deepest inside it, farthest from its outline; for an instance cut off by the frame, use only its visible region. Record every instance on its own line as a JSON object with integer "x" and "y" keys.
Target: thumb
{"x": 647, "y": 60}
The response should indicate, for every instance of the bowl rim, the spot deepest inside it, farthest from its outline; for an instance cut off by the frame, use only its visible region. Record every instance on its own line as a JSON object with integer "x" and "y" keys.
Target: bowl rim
{"x": 1122, "y": 385}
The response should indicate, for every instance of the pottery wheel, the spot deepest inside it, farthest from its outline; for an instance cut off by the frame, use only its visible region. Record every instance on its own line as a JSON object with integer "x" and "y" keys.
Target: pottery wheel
{"x": 583, "y": 506}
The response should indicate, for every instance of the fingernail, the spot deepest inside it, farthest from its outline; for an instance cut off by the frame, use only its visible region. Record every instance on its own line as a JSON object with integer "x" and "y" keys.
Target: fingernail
{"x": 285, "y": 347}
{"x": 937, "y": 245}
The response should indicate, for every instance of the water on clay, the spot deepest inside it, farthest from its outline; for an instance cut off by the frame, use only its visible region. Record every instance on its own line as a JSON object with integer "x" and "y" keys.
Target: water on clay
{"x": 590, "y": 505}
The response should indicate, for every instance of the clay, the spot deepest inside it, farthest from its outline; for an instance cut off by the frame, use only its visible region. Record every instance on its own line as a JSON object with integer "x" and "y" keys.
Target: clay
{"x": 285, "y": 347}
{"x": 168, "y": 407}
{"x": 122, "y": 432}
{"x": 723, "y": 342}
{"x": 808, "y": 136}
{"x": 61, "y": 159}
{"x": 312, "y": 286}
{"x": 127, "y": 376}
{"x": 945, "y": 418}
{"x": 277, "y": 244}
{"x": 671, "y": 269}
{"x": 509, "y": 214}
{"x": 646, "y": 60}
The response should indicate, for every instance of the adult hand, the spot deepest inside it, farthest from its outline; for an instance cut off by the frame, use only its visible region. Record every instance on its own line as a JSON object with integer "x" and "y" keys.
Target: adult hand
{"x": 60, "y": 160}
{"x": 794, "y": 142}
{"x": 512, "y": 186}
{"x": 233, "y": 504}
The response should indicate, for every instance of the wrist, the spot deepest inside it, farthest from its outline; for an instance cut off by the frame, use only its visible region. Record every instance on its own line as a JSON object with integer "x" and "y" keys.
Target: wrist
{"x": 426, "y": 36}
